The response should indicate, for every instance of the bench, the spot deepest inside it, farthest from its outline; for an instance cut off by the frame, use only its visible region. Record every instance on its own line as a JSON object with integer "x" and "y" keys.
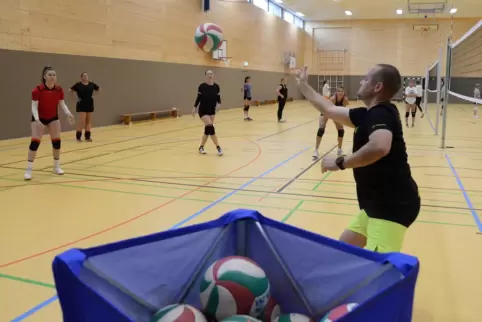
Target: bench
{"x": 127, "y": 118}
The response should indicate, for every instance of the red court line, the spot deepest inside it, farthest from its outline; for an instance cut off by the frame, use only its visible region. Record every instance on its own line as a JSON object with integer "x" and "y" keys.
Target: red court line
{"x": 131, "y": 219}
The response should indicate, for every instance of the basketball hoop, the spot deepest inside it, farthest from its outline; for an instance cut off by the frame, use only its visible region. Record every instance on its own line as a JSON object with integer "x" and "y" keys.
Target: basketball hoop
{"x": 226, "y": 61}
{"x": 425, "y": 32}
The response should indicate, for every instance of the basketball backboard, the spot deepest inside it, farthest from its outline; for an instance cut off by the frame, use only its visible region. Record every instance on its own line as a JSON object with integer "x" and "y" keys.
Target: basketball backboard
{"x": 222, "y": 52}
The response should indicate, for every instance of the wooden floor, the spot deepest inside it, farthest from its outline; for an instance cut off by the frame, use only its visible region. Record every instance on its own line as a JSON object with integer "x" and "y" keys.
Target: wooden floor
{"x": 148, "y": 177}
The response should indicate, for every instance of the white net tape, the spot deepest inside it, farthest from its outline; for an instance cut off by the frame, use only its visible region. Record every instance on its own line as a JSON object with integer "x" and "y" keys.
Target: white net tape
{"x": 467, "y": 98}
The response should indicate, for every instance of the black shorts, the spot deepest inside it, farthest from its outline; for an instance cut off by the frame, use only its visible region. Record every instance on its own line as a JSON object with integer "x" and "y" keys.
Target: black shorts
{"x": 207, "y": 111}
{"x": 46, "y": 121}
{"x": 84, "y": 108}
{"x": 418, "y": 101}
{"x": 247, "y": 98}
{"x": 404, "y": 213}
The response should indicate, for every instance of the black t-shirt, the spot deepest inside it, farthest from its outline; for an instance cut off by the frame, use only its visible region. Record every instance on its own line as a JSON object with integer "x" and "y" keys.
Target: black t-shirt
{"x": 283, "y": 91}
{"x": 208, "y": 96}
{"x": 387, "y": 183}
{"x": 85, "y": 92}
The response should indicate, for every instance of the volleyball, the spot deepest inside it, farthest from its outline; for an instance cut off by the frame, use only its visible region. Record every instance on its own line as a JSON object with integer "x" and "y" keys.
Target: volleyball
{"x": 178, "y": 313}
{"x": 234, "y": 285}
{"x": 271, "y": 311}
{"x": 209, "y": 37}
{"x": 292, "y": 317}
{"x": 338, "y": 312}
{"x": 240, "y": 318}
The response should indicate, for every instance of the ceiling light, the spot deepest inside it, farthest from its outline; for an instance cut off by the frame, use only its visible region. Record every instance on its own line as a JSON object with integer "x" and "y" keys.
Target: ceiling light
{"x": 453, "y": 10}
{"x": 278, "y": 1}
{"x": 300, "y": 14}
{"x": 348, "y": 12}
{"x": 399, "y": 11}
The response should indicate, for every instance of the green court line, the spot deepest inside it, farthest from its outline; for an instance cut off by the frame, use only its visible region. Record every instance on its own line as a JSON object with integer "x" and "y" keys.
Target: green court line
{"x": 213, "y": 191}
{"x": 254, "y": 184}
{"x": 26, "y": 280}
{"x": 240, "y": 204}
{"x": 321, "y": 181}
{"x": 292, "y": 211}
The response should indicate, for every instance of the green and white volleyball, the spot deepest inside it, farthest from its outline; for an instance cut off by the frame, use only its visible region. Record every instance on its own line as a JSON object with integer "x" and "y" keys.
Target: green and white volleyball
{"x": 234, "y": 285}
{"x": 240, "y": 318}
{"x": 292, "y": 317}
{"x": 178, "y": 313}
{"x": 209, "y": 37}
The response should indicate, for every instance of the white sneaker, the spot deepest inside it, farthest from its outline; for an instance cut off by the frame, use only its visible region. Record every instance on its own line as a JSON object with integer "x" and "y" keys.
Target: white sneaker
{"x": 28, "y": 174}
{"x": 58, "y": 170}
{"x": 281, "y": 121}
{"x": 220, "y": 151}
{"x": 201, "y": 150}
{"x": 315, "y": 154}
{"x": 340, "y": 152}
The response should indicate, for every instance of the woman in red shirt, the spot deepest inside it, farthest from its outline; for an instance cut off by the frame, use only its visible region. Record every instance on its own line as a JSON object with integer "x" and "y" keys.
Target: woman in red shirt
{"x": 46, "y": 98}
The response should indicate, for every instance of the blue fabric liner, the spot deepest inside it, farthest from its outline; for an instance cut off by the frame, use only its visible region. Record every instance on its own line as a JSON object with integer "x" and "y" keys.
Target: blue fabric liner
{"x": 158, "y": 267}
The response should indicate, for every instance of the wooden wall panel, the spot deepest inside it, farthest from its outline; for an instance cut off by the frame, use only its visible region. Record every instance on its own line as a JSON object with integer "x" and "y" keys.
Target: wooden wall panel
{"x": 155, "y": 30}
{"x": 369, "y": 42}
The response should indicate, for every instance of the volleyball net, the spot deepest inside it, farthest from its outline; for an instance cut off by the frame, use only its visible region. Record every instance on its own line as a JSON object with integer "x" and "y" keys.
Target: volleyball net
{"x": 463, "y": 74}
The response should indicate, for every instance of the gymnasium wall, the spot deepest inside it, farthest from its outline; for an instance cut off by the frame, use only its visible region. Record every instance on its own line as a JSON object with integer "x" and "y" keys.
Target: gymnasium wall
{"x": 369, "y": 42}
{"x": 142, "y": 53}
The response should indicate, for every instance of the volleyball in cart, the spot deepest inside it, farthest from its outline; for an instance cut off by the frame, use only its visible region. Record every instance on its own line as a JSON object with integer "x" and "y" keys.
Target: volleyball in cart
{"x": 238, "y": 268}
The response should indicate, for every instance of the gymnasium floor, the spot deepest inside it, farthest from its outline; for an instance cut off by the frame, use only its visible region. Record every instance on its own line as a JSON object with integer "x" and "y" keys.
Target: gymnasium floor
{"x": 148, "y": 177}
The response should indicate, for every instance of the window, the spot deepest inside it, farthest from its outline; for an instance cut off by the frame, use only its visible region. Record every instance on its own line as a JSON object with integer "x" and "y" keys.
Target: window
{"x": 299, "y": 22}
{"x": 263, "y": 4}
{"x": 288, "y": 16}
{"x": 275, "y": 10}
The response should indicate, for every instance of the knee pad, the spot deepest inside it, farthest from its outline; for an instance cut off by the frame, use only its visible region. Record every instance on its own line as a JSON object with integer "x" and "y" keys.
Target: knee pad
{"x": 246, "y": 108}
{"x": 56, "y": 143}
{"x": 209, "y": 130}
{"x": 321, "y": 131}
{"x": 413, "y": 114}
{"x": 34, "y": 144}
{"x": 407, "y": 114}
{"x": 341, "y": 133}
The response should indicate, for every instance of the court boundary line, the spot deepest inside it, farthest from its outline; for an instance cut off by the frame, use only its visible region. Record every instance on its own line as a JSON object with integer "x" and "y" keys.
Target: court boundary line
{"x": 35, "y": 309}
{"x": 466, "y": 196}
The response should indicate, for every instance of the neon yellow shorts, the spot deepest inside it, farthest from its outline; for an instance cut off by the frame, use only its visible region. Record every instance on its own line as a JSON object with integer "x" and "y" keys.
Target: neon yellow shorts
{"x": 383, "y": 236}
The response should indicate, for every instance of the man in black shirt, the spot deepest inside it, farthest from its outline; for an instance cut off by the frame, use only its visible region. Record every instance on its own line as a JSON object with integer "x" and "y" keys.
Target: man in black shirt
{"x": 387, "y": 194}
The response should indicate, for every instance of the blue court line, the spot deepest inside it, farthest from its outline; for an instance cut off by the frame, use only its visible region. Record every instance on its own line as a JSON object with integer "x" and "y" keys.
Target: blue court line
{"x": 430, "y": 121}
{"x": 35, "y": 309}
{"x": 466, "y": 196}
{"x": 54, "y": 298}
{"x": 236, "y": 190}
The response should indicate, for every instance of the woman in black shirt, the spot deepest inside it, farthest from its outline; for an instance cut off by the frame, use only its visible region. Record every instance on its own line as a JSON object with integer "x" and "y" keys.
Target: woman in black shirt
{"x": 85, "y": 90}
{"x": 282, "y": 91}
{"x": 208, "y": 102}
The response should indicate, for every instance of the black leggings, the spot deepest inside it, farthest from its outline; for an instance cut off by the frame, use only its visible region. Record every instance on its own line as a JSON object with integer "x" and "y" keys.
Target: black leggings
{"x": 281, "y": 106}
{"x": 417, "y": 102}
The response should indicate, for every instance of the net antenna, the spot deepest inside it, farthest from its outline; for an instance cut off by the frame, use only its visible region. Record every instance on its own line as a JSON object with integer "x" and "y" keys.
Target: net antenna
{"x": 433, "y": 84}
{"x": 463, "y": 60}
{"x": 221, "y": 54}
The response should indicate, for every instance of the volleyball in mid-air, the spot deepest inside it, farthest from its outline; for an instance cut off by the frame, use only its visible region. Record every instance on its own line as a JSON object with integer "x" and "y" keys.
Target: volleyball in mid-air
{"x": 209, "y": 37}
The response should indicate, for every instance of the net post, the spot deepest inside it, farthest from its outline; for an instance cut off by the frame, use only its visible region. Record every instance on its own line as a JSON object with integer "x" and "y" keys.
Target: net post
{"x": 439, "y": 84}
{"x": 425, "y": 90}
{"x": 446, "y": 92}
